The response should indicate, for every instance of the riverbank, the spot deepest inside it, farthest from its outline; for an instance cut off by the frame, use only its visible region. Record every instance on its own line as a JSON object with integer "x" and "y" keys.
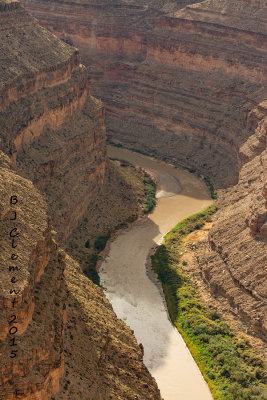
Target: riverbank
{"x": 170, "y": 161}
{"x": 128, "y": 193}
{"x": 228, "y": 363}
{"x": 136, "y": 299}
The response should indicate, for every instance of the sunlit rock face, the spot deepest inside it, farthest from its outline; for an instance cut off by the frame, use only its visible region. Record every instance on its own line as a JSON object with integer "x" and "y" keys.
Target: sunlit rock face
{"x": 233, "y": 260}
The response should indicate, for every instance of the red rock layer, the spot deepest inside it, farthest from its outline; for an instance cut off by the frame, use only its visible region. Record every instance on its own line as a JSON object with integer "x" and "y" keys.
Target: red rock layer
{"x": 53, "y": 130}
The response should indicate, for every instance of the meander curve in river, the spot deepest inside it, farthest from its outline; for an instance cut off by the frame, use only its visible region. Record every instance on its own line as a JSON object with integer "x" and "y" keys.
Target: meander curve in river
{"x": 136, "y": 299}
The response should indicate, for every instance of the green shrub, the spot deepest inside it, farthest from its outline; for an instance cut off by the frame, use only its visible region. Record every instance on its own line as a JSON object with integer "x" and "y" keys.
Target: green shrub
{"x": 90, "y": 270}
{"x": 101, "y": 242}
{"x": 87, "y": 244}
{"x": 150, "y": 191}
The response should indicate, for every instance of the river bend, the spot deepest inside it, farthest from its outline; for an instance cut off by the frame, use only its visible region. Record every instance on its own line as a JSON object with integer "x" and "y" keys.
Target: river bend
{"x": 136, "y": 299}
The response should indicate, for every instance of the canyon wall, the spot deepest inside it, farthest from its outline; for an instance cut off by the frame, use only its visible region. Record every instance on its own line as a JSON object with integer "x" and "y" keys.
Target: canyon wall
{"x": 176, "y": 82}
{"x": 32, "y": 293}
{"x": 187, "y": 82}
{"x": 51, "y": 127}
{"x": 54, "y": 322}
{"x": 52, "y": 167}
{"x": 233, "y": 260}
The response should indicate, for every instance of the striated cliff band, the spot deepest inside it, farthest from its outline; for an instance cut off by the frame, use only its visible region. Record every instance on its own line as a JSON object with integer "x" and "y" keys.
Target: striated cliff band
{"x": 187, "y": 82}
{"x": 52, "y": 169}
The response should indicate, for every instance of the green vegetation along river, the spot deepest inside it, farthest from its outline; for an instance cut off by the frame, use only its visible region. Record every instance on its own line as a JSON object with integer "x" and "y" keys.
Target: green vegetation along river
{"x": 135, "y": 298}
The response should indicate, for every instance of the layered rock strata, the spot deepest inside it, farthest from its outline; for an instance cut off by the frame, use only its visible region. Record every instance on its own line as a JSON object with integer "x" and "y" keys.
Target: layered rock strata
{"x": 233, "y": 261}
{"x": 32, "y": 293}
{"x": 177, "y": 82}
{"x": 51, "y": 127}
{"x": 64, "y": 326}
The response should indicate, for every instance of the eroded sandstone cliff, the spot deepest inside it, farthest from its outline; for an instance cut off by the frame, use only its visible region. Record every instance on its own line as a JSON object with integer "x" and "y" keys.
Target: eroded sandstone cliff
{"x": 233, "y": 261}
{"x": 32, "y": 293}
{"x": 63, "y": 325}
{"x": 51, "y": 127}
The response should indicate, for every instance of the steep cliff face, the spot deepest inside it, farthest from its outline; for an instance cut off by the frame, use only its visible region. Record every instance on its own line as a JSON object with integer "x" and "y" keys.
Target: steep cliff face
{"x": 51, "y": 127}
{"x": 55, "y": 322}
{"x": 102, "y": 357}
{"x": 233, "y": 261}
{"x": 32, "y": 292}
{"x": 187, "y": 82}
{"x": 176, "y": 81}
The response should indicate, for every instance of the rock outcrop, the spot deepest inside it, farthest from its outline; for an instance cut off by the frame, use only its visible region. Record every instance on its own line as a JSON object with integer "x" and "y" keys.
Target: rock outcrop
{"x": 55, "y": 322}
{"x": 51, "y": 127}
{"x": 187, "y": 82}
{"x": 102, "y": 357}
{"x": 32, "y": 293}
{"x": 233, "y": 261}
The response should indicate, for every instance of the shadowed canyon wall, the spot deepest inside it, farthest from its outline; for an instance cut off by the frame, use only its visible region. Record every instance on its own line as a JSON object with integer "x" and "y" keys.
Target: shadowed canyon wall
{"x": 187, "y": 82}
{"x": 53, "y": 160}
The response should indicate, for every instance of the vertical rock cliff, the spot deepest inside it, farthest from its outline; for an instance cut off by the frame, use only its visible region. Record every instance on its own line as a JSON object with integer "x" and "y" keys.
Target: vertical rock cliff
{"x": 187, "y": 81}
{"x": 51, "y": 127}
{"x": 52, "y": 167}
{"x": 32, "y": 293}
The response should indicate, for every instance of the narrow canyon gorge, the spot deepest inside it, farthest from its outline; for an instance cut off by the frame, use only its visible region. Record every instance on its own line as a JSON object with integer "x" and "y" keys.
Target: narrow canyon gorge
{"x": 180, "y": 81}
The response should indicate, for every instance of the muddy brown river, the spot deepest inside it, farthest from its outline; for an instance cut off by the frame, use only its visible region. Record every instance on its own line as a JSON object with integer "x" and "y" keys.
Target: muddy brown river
{"x": 133, "y": 295}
